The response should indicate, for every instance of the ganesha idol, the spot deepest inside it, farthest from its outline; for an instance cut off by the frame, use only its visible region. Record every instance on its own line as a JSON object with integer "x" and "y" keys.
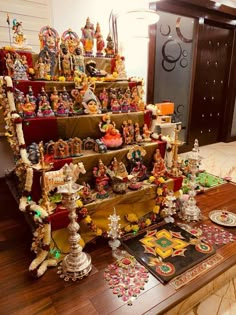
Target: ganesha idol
{"x": 112, "y": 138}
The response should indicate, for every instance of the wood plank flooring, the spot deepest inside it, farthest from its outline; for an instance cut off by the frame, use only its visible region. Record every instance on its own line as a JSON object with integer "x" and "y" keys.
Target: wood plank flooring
{"x": 21, "y": 294}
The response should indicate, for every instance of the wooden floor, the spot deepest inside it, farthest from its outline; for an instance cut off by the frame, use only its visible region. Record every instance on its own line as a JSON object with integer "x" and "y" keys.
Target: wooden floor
{"x": 21, "y": 294}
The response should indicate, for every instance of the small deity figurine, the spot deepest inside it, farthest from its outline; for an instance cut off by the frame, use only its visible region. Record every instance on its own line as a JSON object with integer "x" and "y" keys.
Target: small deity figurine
{"x": 90, "y": 103}
{"x": 78, "y": 61}
{"x": 49, "y": 39}
{"x": 102, "y": 180}
{"x": 103, "y": 96}
{"x": 28, "y": 108}
{"x": 100, "y": 44}
{"x": 40, "y": 69}
{"x": 60, "y": 108}
{"x": 71, "y": 40}
{"x": 9, "y": 64}
{"x": 75, "y": 145}
{"x": 115, "y": 105}
{"x": 146, "y": 133}
{"x": 120, "y": 68}
{"x": 139, "y": 170}
{"x": 127, "y": 136}
{"x": 19, "y": 39}
{"x": 112, "y": 138}
{"x": 61, "y": 149}
{"x": 134, "y": 99}
{"x": 86, "y": 193}
{"x": 159, "y": 168}
{"x": 138, "y": 137}
{"x": 93, "y": 71}
{"x": 54, "y": 98}
{"x": 88, "y": 37}
{"x": 65, "y": 62}
{"x": 19, "y": 69}
{"x": 19, "y": 100}
{"x": 44, "y": 109}
{"x": 110, "y": 47}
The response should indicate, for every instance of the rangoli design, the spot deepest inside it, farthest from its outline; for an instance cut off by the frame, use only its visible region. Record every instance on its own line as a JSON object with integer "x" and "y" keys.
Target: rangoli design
{"x": 127, "y": 278}
{"x": 168, "y": 251}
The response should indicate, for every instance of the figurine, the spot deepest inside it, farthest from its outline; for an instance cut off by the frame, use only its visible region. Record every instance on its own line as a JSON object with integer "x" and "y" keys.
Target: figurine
{"x": 19, "y": 69}
{"x": 102, "y": 180}
{"x": 119, "y": 176}
{"x": 61, "y": 107}
{"x": 159, "y": 168}
{"x": 88, "y": 37}
{"x": 127, "y": 135}
{"x": 28, "y": 108}
{"x": 71, "y": 40}
{"x": 138, "y": 137}
{"x": 54, "y": 98}
{"x": 100, "y": 42}
{"x": 40, "y": 69}
{"x": 110, "y": 47}
{"x": 146, "y": 133}
{"x": 19, "y": 39}
{"x": 75, "y": 145}
{"x": 44, "y": 109}
{"x": 49, "y": 39}
{"x": 139, "y": 171}
{"x": 103, "y": 96}
{"x": 112, "y": 138}
{"x": 61, "y": 149}
{"x": 9, "y": 64}
{"x": 120, "y": 68}
{"x": 78, "y": 61}
{"x": 65, "y": 62}
{"x": 90, "y": 103}
{"x": 86, "y": 193}
{"x": 93, "y": 71}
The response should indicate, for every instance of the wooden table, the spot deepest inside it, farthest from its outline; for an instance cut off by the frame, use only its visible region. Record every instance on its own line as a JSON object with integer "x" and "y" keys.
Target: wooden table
{"x": 51, "y": 295}
{"x": 158, "y": 298}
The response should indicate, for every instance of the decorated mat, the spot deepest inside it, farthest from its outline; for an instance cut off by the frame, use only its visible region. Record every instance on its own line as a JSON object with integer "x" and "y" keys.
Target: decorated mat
{"x": 210, "y": 233}
{"x": 127, "y": 278}
{"x": 168, "y": 251}
{"x": 198, "y": 270}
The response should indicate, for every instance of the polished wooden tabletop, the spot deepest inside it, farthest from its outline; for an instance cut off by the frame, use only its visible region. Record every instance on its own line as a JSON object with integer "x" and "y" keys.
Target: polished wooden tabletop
{"x": 21, "y": 294}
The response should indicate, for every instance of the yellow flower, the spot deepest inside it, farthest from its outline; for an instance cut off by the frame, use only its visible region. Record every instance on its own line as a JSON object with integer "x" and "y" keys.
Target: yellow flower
{"x": 159, "y": 191}
{"x": 161, "y": 180}
{"x": 151, "y": 179}
{"x": 148, "y": 222}
{"x": 128, "y": 228}
{"x": 88, "y": 219}
{"x": 135, "y": 227}
{"x": 77, "y": 79}
{"x": 156, "y": 209}
{"x": 115, "y": 74}
{"x": 79, "y": 203}
{"x": 131, "y": 217}
{"x": 48, "y": 77}
{"x": 31, "y": 71}
{"x": 62, "y": 79}
{"x": 98, "y": 232}
{"x": 81, "y": 242}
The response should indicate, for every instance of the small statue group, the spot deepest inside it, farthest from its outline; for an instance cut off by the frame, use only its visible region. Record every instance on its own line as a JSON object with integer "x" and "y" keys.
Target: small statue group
{"x": 17, "y": 66}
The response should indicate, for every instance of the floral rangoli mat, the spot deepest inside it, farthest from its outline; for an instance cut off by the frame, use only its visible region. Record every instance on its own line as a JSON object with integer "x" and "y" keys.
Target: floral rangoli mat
{"x": 127, "y": 278}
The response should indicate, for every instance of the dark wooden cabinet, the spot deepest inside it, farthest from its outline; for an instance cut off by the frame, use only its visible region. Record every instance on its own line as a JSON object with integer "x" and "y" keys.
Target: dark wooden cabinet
{"x": 212, "y": 86}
